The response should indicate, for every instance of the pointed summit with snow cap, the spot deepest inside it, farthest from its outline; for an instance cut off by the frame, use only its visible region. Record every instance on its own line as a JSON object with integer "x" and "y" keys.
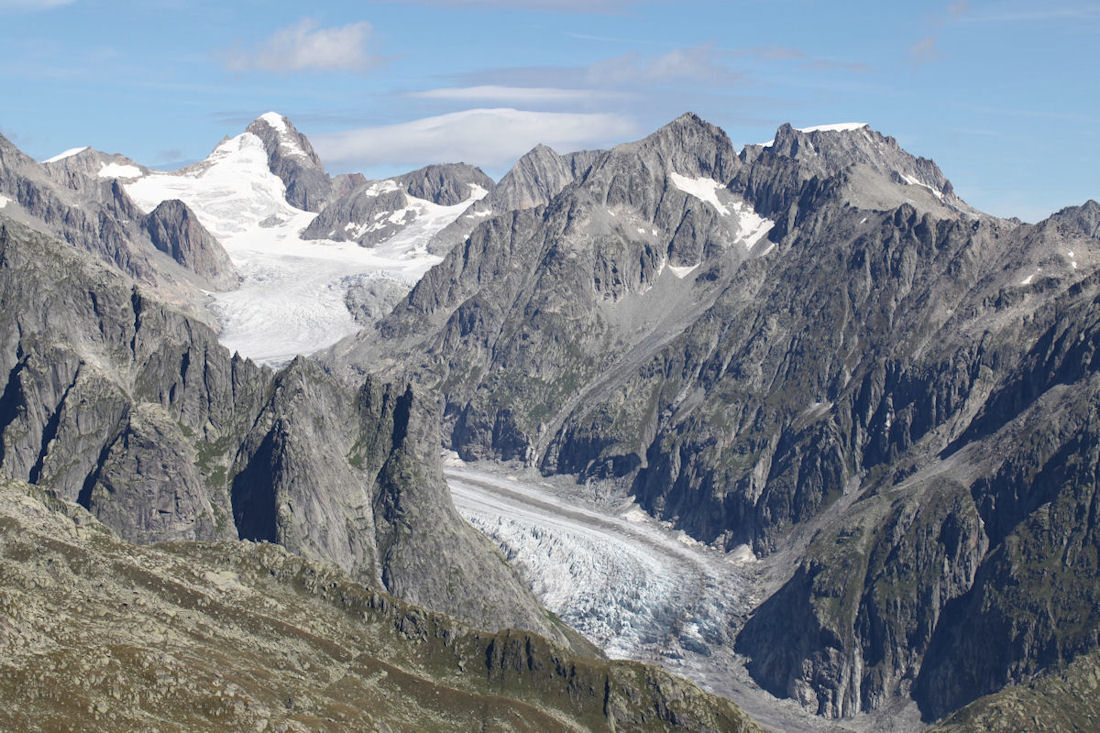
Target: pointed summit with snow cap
{"x": 291, "y": 157}
{"x": 882, "y": 174}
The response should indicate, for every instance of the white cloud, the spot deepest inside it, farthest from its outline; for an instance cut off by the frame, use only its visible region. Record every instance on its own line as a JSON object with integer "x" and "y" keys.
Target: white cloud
{"x": 486, "y": 137}
{"x": 32, "y": 4}
{"x": 515, "y": 95}
{"x": 695, "y": 64}
{"x": 304, "y": 46}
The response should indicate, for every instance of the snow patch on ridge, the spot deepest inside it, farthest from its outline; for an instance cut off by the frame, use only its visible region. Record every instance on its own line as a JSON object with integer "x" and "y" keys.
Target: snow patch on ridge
{"x": 704, "y": 189}
{"x": 833, "y": 127}
{"x": 682, "y": 272}
{"x": 66, "y": 154}
{"x": 4, "y": 201}
{"x": 276, "y": 120}
{"x": 118, "y": 170}
{"x": 911, "y": 181}
{"x": 751, "y": 227}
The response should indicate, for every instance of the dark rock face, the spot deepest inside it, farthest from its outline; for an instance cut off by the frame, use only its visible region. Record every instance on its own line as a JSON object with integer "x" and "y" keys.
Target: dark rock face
{"x": 445, "y": 185}
{"x": 291, "y": 157}
{"x": 874, "y": 368}
{"x": 175, "y": 230}
{"x": 375, "y": 211}
{"x": 538, "y": 176}
{"x": 113, "y": 400}
{"x": 368, "y": 214}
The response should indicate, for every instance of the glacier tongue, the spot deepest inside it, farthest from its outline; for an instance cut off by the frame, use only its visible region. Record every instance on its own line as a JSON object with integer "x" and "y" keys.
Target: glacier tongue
{"x": 634, "y": 587}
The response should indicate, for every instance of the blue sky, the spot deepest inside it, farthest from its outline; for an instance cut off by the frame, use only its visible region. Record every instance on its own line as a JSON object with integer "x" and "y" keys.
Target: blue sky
{"x": 1003, "y": 96}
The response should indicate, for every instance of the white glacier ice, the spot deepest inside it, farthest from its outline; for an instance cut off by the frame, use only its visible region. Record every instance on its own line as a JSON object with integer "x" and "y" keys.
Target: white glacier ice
{"x": 632, "y": 585}
{"x": 291, "y": 300}
{"x": 832, "y": 127}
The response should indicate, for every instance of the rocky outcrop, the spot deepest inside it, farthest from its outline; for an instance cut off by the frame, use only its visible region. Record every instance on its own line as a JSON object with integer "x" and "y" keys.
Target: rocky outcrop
{"x": 377, "y": 211}
{"x": 291, "y": 157}
{"x": 175, "y": 230}
{"x": 241, "y": 635}
{"x": 859, "y": 371}
{"x": 538, "y": 176}
{"x": 445, "y": 185}
{"x": 115, "y": 401}
{"x": 77, "y": 170}
{"x": 80, "y": 199}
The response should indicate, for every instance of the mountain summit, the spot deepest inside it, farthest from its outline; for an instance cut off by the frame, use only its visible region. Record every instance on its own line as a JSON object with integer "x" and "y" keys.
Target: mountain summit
{"x": 291, "y": 157}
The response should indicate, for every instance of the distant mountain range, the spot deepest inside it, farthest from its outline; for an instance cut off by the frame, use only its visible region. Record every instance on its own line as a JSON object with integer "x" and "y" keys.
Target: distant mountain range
{"x": 812, "y": 348}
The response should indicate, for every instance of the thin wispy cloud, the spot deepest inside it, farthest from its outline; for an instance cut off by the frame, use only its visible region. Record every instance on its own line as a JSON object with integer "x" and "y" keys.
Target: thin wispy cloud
{"x": 305, "y": 46}
{"x": 514, "y": 95}
{"x": 486, "y": 137}
{"x": 699, "y": 64}
{"x": 1036, "y": 15}
{"x": 926, "y": 49}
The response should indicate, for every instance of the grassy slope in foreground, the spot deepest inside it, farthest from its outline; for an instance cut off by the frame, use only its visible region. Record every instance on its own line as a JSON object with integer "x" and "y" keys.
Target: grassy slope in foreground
{"x": 1065, "y": 700}
{"x": 99, "y": 634}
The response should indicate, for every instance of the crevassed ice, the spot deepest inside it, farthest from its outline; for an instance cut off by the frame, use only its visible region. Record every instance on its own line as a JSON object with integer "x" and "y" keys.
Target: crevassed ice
{"x": 637, "y": 589}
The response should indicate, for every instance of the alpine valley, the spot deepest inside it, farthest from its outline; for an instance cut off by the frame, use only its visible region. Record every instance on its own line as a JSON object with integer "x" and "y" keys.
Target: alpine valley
{"x": 667, "y": 436}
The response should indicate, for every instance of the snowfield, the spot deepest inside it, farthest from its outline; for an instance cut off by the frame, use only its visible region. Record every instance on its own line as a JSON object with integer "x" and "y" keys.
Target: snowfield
{"x": 292, "y": 297}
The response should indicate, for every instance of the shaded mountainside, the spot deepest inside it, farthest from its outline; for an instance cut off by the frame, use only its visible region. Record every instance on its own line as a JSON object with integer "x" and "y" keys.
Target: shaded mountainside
{"x": 1063, "y": 700}
{"x": 816, "y": 335}
{"x": 101, "y": 634}
{"x": 135, "y": 411}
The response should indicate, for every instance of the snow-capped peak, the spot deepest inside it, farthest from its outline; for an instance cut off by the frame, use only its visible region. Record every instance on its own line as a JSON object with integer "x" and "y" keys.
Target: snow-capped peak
{"x": 286, "y": 138}
{"x": 66, "y": 154}
{"x": 832, "y": 127}
{"x": 276, "y": 120}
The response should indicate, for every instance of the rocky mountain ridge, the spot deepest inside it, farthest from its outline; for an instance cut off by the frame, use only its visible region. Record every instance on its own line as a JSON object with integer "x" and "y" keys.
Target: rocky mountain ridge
{"x": 811, "y": 348}
{"x": 869, "y": 333}
{"x": 118, "y": 403}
